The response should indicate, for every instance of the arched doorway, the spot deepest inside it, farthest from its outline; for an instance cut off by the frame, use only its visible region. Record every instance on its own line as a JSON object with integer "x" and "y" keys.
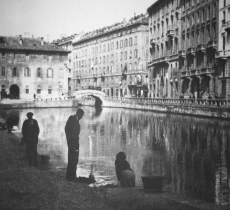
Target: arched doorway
{"x": 14, "y": 91}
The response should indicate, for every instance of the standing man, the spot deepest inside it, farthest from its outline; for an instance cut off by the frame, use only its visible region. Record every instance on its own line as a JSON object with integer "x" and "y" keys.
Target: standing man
{"x": 30, "y": 131}
{"x": 72, "y": 131}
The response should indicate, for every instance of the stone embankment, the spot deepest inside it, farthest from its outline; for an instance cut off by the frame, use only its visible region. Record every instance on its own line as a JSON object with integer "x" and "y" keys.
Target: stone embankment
{"x": 44, "y": 187}
{"x": 195, "y": 107}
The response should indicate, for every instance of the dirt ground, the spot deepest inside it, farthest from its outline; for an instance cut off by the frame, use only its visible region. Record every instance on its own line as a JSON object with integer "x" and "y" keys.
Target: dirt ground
{"x": 23, "y": 187}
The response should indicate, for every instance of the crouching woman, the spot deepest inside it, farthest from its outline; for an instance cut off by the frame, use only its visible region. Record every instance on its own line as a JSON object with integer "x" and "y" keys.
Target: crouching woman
{"x": 125, "y": 174}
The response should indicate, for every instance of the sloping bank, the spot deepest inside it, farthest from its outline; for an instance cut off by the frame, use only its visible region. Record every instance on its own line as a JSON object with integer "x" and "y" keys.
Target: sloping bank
{"x": 23, "y": 187}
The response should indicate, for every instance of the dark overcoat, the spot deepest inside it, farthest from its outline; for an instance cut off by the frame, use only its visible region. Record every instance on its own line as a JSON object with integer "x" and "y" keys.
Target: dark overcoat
{"x": 72, "y": 130}
{"x": 30, "y": 133}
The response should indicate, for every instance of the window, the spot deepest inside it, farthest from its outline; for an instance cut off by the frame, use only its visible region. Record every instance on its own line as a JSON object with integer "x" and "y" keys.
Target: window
{"x": 39, "y": 72}
{"x": 146, "y": 53}
{"x": 117, "y": 44}
{"x": 135, "y": 53}
{"x": 121, "y": 43}
{"x": 27, "y": 72}
{"x": 130, "y": 41}
{"x": 130, "y": 54}
{"x": 107, "y": 58}
{"x": 14, "y": 71}
{"x": 50, "y": 73}
{"x": 3, "y": 55}
{"x": 39, "y": 89}
{"x": 125, "y": 55}
{"x": 49, "y": 90}
{"x": 61, "y": 73}
{"x": 112, "y": 46}
{"x": 130, "y": 66}
{"x": 121, "y": 55}
{"x": 147, "y": 40}
{"x": 104, "y": 48}
{"x": 27, "y": 89}
{"x": 126, "y": 43}
{"x": 108, "y": 47}
{"x": 135, "y": 40}
{"x": 3, "y": 71}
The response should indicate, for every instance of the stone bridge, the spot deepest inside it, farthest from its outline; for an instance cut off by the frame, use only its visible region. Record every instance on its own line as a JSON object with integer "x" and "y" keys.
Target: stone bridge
{"x": 96, "y": 94}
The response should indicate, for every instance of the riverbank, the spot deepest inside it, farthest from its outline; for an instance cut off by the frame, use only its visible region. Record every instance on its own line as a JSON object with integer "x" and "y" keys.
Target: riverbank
{"x": 24, "y": 187}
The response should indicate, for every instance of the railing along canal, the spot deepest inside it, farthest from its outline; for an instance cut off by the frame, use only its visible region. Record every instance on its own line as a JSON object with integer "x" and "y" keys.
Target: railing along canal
{"x": 221, "y": 103}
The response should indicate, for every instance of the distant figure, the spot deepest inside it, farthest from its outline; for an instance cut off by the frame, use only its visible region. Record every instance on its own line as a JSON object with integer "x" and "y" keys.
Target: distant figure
{"x": 10, "y": 123}
{"x": 34, "y": 96}
{"x": 72, "y": 130}
{"x": 125, "y": 174}
{"x": 30, "y": 131}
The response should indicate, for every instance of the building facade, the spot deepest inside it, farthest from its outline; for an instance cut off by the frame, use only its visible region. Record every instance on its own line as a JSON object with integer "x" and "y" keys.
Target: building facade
{"x": 31, "y": 66}
{"x": 165, "y": 32}
{"x": 113, "y": 59}
{"x": 184, "y": 49}
{"x": 199, "y": 41}
{"x": 223, "y": 54}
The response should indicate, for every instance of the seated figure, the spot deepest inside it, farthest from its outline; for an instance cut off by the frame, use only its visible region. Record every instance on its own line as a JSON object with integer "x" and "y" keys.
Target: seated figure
{"x": 125, "y": 174}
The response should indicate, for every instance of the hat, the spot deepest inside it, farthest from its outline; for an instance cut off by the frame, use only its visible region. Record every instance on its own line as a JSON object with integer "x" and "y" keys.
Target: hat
{"x": 29, "y": 114}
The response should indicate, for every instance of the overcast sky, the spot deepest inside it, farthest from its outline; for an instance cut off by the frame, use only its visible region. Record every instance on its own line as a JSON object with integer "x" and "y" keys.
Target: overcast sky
{"x": 56, "y": 17}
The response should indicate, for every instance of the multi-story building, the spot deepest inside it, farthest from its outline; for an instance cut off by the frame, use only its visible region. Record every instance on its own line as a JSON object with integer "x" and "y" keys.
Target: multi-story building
{"x": 199, "y": 39}
{"x": 31, "y": 66}
{"x": 223, "y": 54}
{"x": 164, "y": 30}
{"x": 113, "y": 59}
{"x": 66, "y": 42}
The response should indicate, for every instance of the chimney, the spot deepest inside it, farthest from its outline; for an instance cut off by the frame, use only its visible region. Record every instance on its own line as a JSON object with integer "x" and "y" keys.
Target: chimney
{"x": 134, "y": 14}
{"x": 20, "y": 39}
{"x": 42, "y": 41}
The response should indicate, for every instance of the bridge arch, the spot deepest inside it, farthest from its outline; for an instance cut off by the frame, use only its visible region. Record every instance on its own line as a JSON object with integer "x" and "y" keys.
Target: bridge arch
{"x": 96, "y": 94}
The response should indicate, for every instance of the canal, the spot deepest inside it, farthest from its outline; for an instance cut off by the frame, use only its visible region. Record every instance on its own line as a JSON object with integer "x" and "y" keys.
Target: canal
{"x": 192, "y": 153}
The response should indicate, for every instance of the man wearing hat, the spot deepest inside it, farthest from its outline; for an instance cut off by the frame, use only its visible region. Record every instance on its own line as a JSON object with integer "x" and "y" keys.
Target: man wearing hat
{"x": 72, "y": 130}
{"x": 30, "y": 131}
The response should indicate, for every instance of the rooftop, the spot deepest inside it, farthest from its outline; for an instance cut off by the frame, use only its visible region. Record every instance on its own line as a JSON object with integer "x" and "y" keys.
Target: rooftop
{"x": 25, "y": 43}
{"x": 134, "y": 20}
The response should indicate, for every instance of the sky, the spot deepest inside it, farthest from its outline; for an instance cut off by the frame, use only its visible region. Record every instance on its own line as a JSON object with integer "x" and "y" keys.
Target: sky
{"x": 52, "y": 19}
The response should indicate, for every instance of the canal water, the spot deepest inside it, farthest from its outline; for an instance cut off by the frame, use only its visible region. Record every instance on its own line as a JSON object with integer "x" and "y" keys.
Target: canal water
{"x": 192, "y": 153}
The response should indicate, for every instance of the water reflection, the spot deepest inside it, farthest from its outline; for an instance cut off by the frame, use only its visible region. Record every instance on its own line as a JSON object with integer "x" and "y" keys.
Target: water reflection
{"x": 192, "y": 153}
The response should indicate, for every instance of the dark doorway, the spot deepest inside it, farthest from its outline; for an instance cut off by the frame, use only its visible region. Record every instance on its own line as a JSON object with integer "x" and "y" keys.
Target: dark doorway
{"x": 14, "y": 91}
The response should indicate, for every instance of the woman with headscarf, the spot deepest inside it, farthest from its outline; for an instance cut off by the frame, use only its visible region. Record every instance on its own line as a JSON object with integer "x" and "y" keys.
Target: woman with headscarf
{"x": 125, "y": 174}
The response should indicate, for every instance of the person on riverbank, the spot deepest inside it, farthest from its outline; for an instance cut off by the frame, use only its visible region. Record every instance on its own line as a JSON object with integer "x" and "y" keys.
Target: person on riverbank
{"x": 72, "y": 131}
{"x": 125, "y": 174}
{"x": 30, "y": 132}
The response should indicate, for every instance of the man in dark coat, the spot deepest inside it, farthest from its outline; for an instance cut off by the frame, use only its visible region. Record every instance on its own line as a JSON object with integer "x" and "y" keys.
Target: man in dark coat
{"x": 30, "y": 131}
{"x": 72, "y": 130}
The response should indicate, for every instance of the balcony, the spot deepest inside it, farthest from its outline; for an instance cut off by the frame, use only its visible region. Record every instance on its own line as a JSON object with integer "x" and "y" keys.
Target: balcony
{"x": 191, "y": 50}
{"x": 170, "y": 33}
{"x": 223, "y": 54}
{"x": 159, "y": 60}
{"x": 182, "y": 53}
{"x": 212, "y": 44}
{"x": 206, "y": 70}
{"x": 201, "y": 48}
{"x": 227, "y": 26}
{"x": 153, "y": 41}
